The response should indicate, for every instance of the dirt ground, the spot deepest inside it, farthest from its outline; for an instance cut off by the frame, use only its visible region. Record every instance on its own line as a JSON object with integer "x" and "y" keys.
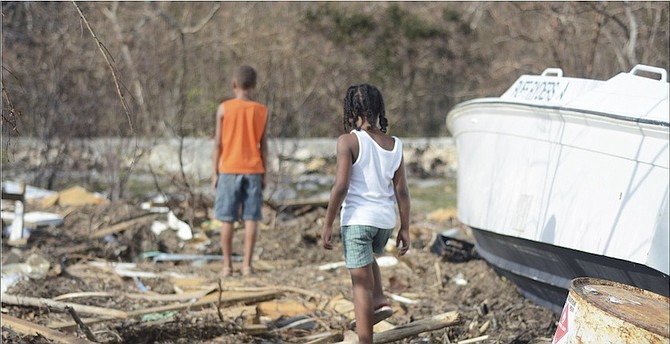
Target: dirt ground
{"x": 288, "y": 257}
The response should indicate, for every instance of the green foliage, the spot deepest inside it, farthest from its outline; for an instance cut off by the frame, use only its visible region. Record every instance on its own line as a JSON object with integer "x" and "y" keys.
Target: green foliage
{"x": 410, "y": 25}
{"x": 429, "y": 197}
{"x": 425, "y": 57}
{"x": 398, "y": 44}
{"x": 194, "y": 94}
{"x": 337, "y": 25}
{"x": 449, "y": 14}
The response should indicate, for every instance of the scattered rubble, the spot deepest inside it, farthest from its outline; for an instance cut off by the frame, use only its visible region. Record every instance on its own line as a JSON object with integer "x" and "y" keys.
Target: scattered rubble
{"x": 105, "y": 274}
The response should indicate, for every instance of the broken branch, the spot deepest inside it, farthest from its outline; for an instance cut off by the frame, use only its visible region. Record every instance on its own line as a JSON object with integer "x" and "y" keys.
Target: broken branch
{"x": 82, "y": 326}
{"x": 61, "y": 306}
{"x": 123, "y": 226}
{"x": 26, "y": 327}
{"x": 425, "y": 325}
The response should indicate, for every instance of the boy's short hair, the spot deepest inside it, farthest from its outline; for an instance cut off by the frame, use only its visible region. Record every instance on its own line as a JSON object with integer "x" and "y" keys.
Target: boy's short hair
{"x": 245, "y": 77}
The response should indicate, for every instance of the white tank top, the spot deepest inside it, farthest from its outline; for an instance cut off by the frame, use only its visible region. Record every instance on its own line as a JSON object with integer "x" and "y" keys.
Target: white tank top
{"x": 371, "y": 200}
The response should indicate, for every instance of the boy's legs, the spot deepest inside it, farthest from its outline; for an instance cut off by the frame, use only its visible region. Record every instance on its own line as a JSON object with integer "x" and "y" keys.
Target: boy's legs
{"x": 226, "y": 209}
{"x": 253, "y": 202}
{"x": 250, "y": 228}
{"x": 227, "y": 246}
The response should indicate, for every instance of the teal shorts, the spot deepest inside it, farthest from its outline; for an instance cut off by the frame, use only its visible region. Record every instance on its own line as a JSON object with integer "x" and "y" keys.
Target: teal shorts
{"x": 360, "y": 242}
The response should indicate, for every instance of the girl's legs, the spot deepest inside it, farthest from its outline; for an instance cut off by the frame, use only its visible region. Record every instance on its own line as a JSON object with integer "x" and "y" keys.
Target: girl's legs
{"x": 359, "y": 244}
{"x": 363, "y": 280}
{"x": 378, "y": 298}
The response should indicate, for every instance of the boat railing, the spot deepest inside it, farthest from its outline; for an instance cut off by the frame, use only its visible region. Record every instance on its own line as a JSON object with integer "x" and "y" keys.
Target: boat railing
{"x": 649, "y": 69}
{"x": 557, "y": 72}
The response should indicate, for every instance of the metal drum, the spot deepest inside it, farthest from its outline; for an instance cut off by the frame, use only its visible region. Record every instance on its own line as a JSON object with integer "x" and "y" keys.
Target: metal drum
{"x": 601, "y": 311}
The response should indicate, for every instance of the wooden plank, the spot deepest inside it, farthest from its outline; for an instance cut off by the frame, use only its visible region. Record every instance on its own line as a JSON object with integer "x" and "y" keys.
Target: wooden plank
{"x": 382, "y": 326}
{"x": 173, "y": 297}
{"x": 255, "y": 329}
{"x": 323, "y": 338}
{"x": 144, "y": 219}
{"x": 474, "y": 340}
{"x": 41, "y": 302}
{"x": 305, "y": 292}
{"x": 189, "y": 282}
{"x": 28, "y": 328}
{"x": 17, "y": 243}
{"x": 239, "y": 297}
{"x": 296, "y": 203}
{"x": 248, "y": 312}
{"x": 343, "y": 306}
{"x": 433, "y": 323}
{"x": 226, "y": 299}
{"x": 230, "y": 312}
{"x": 83, "y": 294}
{"x": 71, "y": 325}
{"x": 141, "y": 296}
{"x": 78, "y": 196}
{"x": 285, "y": 307}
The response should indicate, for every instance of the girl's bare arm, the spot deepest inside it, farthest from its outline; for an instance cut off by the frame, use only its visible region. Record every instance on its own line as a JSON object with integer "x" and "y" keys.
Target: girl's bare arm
{"x": 339, "y": 190}
{"x": 403, "y": 199}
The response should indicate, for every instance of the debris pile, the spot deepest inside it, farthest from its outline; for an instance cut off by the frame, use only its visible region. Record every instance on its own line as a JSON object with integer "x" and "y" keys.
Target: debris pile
{"x": 117, "y": 272}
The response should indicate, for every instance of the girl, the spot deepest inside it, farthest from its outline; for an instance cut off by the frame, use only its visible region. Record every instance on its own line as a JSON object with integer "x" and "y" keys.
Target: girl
{"x": 370, "y": 183}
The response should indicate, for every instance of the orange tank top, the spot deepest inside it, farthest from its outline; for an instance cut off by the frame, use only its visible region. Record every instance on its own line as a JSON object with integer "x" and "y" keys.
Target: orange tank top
{"x": 241, "y": 132}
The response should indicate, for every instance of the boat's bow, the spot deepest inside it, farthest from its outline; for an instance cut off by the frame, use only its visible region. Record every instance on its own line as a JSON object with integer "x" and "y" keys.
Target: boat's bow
{"x": 565, "y": 177}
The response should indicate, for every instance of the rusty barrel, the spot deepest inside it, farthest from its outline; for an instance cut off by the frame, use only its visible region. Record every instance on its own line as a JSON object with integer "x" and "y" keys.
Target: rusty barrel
{"x": 602, "y": 311}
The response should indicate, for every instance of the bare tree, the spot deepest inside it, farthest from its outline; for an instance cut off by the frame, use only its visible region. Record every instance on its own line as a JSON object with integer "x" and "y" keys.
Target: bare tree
{"x": 159, "y": 69}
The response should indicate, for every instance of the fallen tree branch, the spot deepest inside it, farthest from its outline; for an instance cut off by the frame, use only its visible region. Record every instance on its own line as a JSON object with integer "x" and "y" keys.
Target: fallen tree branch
{"x": 143, "y": 296}
{"x": 144, "y": 219}
{"x": 83, "y": 294}
{"x": 309, "y": 293}
{"x": 205, "y": 300}
{"x": 474, "y": 340}
{"x": 297, "y": 203}
{"x": 82, "y": 326}
{"x": 218, "y": 305}
{"x": 424, "y": 325}
{"x": 322, "y": 338}
{"x": 28, "y": 328}
{"x": 61, "y": 306}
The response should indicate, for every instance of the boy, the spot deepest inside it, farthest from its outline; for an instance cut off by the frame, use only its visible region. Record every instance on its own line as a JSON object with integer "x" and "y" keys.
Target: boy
{"x": 240, "y": 153}
{"x": 369, "y": 184}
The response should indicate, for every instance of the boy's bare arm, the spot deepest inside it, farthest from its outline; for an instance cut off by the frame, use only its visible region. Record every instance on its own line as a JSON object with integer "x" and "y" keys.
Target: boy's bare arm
{"x": 403, "y": 199}
{"x": 264, "y": 153}
{"x": 217, "y": 145}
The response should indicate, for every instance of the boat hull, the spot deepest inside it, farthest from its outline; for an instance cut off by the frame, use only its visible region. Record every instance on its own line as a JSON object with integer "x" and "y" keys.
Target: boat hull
{"x": 563, "y": 186}
{"x": 553, "y": 268}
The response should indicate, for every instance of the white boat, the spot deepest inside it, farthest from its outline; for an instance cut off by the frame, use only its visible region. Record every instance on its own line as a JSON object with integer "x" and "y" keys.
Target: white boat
{"x": 565, "y": 177}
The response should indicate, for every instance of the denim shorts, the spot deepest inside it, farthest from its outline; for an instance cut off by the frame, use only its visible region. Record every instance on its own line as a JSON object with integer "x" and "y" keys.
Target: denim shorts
{"x": 238, "y": 190}
{"x": 360, "y": 242}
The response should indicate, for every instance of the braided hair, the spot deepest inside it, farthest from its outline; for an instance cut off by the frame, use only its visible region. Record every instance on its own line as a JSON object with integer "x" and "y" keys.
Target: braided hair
{"x": 366, "y": 101}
